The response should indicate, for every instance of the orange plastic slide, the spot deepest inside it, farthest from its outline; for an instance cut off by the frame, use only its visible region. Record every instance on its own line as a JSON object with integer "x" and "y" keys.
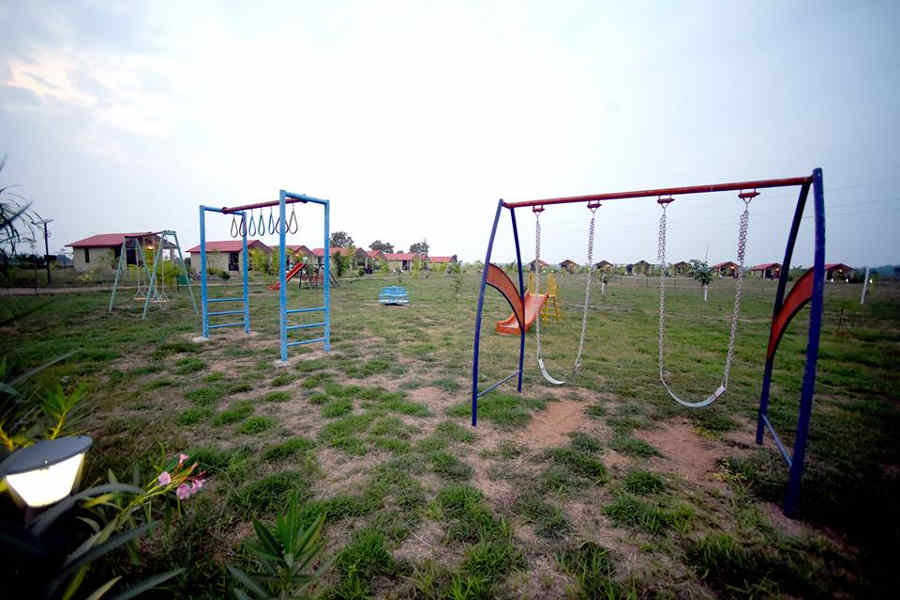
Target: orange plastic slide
{"x": 288, "y": 276}
{"x": 533, "y": 305}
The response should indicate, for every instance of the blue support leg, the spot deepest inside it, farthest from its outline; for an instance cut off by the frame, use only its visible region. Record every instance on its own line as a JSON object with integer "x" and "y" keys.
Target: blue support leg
{"x": 203, "y": 292}
{"x": 512, "y": 214}
{"x": 326, "y": 287}
{"x": 487, "y": 261}
{"x": 812, "y": 348}
{"x": 282, "y": 290}
{"x": 779, "y": 302}
{"x": 246, "y": 268}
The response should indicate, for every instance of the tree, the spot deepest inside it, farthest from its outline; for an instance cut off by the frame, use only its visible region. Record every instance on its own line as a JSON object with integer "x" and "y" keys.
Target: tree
{"x": 420, "y": 247}
{"x": 702, "y": 272}
{"x": 340, "y": 239}
{"x": 383, "y": 246}
{"x": 14, "y": 222}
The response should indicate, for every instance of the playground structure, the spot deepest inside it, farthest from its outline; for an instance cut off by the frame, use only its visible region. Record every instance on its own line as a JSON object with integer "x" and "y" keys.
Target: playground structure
{"x": 393, "y": 295}
{"x": 282, "y": 226}
{"x": 150, "y": 288}
{"x": 807, "y": 289}
{"x": 551, "y": 308}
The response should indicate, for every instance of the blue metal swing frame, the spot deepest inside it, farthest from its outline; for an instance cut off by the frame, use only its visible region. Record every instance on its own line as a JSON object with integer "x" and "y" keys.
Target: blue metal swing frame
{"x": 781, "y": 315}
{"x": 284, "y": 198}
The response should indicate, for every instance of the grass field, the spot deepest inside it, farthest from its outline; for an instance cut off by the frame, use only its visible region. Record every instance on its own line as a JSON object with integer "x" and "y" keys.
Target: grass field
{"x": 599, "y": 488}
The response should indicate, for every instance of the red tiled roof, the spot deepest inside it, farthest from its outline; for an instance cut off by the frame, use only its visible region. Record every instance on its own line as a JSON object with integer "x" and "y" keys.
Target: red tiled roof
{"x": 106, "y": 240}
{"x": 830, "y": 266}
{"x": 345, "y": 251}
{"x": 441, "y": 259}
{"x": 724, "y": 264}
{"x": 230, "y": 246}
{"x": 764, "y": 266}
{"x": 298, "y": 248}
{"x": 401, "y": 256}
{"x": 567, "y": 261}
{"x": 374, "y": 253}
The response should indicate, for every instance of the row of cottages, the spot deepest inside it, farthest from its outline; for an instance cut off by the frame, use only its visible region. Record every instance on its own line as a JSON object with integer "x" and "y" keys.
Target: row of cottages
{"x": 227, "y": 255}
{"x": 102, "y": 251}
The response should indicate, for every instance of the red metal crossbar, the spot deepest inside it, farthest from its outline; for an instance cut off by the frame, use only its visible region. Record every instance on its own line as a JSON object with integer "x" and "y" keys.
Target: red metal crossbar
{"x": 231, "y": 209}
{"x": 694, "y": 189}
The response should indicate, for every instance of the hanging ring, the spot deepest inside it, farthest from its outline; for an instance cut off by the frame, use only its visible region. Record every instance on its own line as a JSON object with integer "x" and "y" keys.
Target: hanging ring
{"x": 296, "y": 226}
{"x": 235, "y": 231}
{"x": 243, "y": 224}
{"x": 271, "y": 222}
{"x": 261, "y": 224}
{"x": 251, "y": 228}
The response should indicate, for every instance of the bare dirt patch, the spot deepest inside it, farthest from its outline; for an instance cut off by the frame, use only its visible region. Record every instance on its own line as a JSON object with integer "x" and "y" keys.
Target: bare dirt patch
{"x": 686, "y": 454}
{"x": 551, "y": 427}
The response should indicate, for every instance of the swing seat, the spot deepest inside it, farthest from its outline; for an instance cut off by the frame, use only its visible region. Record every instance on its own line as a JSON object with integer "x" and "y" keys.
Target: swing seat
{"x": 393, "y": 294}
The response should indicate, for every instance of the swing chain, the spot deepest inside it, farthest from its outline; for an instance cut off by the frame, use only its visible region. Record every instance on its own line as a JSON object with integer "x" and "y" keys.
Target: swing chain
{"x": 661, "y": 259}
{"x": 743, "y": 223}
{"x": 587, "y": 289}
{"x": 537, "y": 276}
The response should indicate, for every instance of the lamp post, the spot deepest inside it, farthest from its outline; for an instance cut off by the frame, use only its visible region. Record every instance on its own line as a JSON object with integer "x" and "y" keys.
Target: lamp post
{"x": 46, "y": 472}
{"x": 44, "y": 222}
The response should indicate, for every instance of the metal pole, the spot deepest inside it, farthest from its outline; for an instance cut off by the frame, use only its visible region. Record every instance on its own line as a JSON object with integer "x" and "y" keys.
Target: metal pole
{"x": 487, "y": 262}
{"x": 152, "y": 286}
{"x": 187, "y": 275}
{"x": 244, "y": 273}
{"x": 123, "y": 250}
{"x": 512, "y": 215}
{"x": 779, "y": 302}
{"x": 282, "y": 263}
{"x": 812, "y": 348}
{"x": 862, "y": 298}
{"x": 327, "y": 288}
{"x": 203, "y": 291}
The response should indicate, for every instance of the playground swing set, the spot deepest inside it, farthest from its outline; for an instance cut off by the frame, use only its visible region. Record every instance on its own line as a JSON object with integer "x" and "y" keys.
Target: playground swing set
{"x": 243, "y": 223}
{"x": 807, "y": 289}
{"x": 150, "y": 287}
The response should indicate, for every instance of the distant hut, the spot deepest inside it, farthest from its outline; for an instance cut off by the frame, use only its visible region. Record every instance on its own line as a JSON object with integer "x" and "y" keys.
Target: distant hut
{"x": 531, "y": 265}
{"x": 726, "y": 269}
{"x": 604, "y": 265}
{"x": 766, "y": 270}
{"x": 641, "y": 267}
{"x": 569, "y": 265}
{"x": 838, "y": 272}
{"x": 682, "y": 268}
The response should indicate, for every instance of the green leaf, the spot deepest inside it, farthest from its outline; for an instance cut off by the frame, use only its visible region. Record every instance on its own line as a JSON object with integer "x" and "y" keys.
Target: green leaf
{"x": 94, "y": 525}
{"x": 267, "y": 539}
{"x": 150, "y": 582}
{"x": 98, "y": 593}
{"x": 40, "y": 368}
{"x": 39, "y": 525}
{"x": 101, "y": 549}
{"x": 248, "y": 582}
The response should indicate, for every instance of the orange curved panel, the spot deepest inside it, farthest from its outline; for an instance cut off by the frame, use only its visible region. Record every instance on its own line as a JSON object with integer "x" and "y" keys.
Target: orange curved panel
{"x": 533, "y": 305}
{"x": 796, "y": 299}
{"x": 499, "y": 280}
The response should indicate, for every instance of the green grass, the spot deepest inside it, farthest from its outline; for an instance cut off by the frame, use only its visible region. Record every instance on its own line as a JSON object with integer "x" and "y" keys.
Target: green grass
{"x": 448, "y": 466}
{"x": 289, "y": 449}
{"x": 643, "y": 483}
{"x": 548, "y": 520}
{"x": 205, "y": 396}
{"x": 633, "y": 446}
{"x": 337, "y": 408}
{"x": 235, "y": 413}
{"x": 269, "y": 495}
{"x": 504, "y": 410}
{"x": 257, "y": 424}
{"x": 283, "y": 379}
{"x": 189, "y": 364}
{"x": 278, "y": 396}
{"x": 195, "y": 415}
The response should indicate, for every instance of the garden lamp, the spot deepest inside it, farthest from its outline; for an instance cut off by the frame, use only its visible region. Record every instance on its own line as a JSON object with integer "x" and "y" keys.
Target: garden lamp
{"x": 46, "y": 472}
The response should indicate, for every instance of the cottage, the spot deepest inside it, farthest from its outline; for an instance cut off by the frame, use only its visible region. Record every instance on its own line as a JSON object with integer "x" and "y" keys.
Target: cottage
{"x": 838, "y": 272}
{"x": 641, "y": 267}
{"x": 605, "y": 266}
{"x": 568, "y": 265}
{"x": 300, "y": 252}
{"x": 402, "y": 261}
{"x": 726, "y": 269}
{"x": 225, "y": 256}
{"x": 441, "y": 262}
{"x": 102, "y": 251}
{"x": 357, "y": 256}
{"x": 531, "y": 265}
{"x": 682, "y": 267}
{"x": 767, "y": 270}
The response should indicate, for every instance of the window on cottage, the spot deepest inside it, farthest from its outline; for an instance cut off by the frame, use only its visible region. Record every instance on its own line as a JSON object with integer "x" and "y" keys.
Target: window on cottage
{"x": 233, "y": 261}
{"x": 87, "y": 255}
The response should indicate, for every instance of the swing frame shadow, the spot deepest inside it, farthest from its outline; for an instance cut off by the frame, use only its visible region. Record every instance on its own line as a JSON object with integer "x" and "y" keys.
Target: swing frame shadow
{"x": 284, "y": 198}
{"x": 808, "y": 289}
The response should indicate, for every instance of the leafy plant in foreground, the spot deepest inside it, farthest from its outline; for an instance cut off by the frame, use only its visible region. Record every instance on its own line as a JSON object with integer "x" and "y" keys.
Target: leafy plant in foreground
{"x": 287, "y": 554}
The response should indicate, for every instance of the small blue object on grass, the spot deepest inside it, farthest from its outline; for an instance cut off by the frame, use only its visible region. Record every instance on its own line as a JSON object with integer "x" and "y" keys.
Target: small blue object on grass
{"x": 393, "y": 294}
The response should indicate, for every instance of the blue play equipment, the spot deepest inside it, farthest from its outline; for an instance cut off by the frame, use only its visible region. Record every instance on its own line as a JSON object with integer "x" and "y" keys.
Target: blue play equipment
{"x": 393, "y": 294}
{"x": 281, "y": 226}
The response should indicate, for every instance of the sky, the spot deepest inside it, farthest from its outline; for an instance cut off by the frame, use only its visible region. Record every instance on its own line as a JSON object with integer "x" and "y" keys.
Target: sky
{"x": 414, "y": 118}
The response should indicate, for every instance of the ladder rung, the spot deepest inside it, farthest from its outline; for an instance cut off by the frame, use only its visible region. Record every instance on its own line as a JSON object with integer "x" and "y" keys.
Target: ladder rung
{"x": 313, "y": 340}
{"x": 306, "y": 326}
{"x": 238, "y": 324}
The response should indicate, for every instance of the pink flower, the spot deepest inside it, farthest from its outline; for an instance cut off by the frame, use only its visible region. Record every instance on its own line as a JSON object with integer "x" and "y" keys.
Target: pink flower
{"x": 181, "y": 458}
{"x": 183, "y": 492}
{"x": 164, "y": 478}
{"x": 198, "y": 483}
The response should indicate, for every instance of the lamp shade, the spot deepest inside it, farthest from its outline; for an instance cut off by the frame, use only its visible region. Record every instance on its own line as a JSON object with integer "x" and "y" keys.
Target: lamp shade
{"x": 46, "y": 472}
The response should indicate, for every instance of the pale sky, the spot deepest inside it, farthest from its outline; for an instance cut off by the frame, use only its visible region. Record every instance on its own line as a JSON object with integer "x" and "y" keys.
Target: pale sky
{"x": 414, "y": 118}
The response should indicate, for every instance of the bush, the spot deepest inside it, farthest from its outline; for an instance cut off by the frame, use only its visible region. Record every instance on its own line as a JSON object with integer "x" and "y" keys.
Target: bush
{"x": 224, "y": 276}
